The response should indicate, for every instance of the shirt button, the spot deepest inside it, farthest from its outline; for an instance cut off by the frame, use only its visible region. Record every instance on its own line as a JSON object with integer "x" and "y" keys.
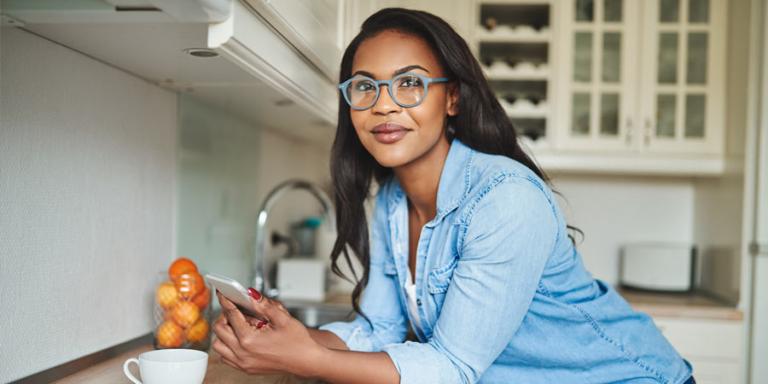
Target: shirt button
{"x": 418, "y": 302}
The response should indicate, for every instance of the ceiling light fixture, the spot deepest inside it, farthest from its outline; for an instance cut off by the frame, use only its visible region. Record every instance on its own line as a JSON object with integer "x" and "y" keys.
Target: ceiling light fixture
{"x": 201, "y": 52}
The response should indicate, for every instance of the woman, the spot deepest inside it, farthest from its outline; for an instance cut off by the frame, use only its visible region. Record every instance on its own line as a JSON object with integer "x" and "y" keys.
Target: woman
{"x": 468, "y": 246}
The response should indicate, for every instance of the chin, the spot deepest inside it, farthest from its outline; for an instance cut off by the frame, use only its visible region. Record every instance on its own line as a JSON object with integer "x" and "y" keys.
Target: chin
{"x": 391, "y": 160}
{"x": 391, "y": 156}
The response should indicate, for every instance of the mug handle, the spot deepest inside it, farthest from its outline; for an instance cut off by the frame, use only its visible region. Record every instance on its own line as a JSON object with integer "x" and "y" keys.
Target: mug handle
{"x": 127, "y": 371}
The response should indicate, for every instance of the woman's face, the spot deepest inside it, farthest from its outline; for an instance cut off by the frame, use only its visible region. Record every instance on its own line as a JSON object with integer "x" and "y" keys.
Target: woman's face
{"x": 394, "y": 135}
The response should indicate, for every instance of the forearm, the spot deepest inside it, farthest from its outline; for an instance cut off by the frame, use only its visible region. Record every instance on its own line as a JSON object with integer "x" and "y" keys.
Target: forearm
{"x": 350, "y": 367}
{"x": 328, "y": 339}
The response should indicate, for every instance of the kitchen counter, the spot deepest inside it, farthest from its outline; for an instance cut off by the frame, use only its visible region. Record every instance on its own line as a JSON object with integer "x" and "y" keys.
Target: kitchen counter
{"x": 676, "y": 305}
{"x": 687, "y": 305}
{"x": 111, "y": 371}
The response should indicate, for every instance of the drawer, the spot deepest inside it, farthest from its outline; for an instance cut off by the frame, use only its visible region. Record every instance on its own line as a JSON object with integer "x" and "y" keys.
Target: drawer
{"x": 704, "y": 338}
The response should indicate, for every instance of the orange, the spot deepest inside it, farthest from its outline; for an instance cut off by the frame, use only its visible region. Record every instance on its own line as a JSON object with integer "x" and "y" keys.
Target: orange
{"x": 166, "y": 295}
{"x": 198, "y": 331}
{"x": 180, "y": 266}
{"x": 202, "y": 299}
{"x": 189, "y": 285}
{"x": 169, "y": 335}
{"x": 185, "y": 313}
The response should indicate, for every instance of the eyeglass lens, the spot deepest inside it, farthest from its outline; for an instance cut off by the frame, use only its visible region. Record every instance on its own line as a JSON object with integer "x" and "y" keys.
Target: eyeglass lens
{"x": 407, "y": 90}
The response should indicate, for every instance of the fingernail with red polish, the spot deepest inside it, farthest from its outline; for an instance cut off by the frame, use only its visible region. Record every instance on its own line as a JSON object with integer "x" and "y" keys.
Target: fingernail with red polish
{"x": 261, "y": 324}
{"x": 254, "y": 293}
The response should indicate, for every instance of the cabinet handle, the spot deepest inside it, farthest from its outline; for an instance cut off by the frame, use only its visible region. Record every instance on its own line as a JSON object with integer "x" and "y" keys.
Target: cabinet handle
{"x": 629, "y": 131}
{"x": 648, "y": 129}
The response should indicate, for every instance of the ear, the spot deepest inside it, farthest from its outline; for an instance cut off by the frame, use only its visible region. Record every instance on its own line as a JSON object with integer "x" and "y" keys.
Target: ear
{"x": 452, "y": 101}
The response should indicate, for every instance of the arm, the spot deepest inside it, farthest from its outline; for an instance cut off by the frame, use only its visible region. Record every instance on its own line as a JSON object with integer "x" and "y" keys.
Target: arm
{"x": 349, "y": 367}
{"x": 328, "y": 339}
{"x": 508, "y": 238}
{"x": 283, "y": 344}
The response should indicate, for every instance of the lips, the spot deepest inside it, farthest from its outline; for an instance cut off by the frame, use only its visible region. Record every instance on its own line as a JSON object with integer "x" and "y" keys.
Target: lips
{"x": 388, "y": 133}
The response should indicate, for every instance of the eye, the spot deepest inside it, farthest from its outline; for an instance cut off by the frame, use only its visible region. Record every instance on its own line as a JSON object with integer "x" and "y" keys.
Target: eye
{"x": 409, "y": 82}
{"x": 363, "y": 86}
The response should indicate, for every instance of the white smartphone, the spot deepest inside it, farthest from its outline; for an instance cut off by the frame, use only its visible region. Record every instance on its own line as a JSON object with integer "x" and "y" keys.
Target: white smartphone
{"x": 235, "y": 292}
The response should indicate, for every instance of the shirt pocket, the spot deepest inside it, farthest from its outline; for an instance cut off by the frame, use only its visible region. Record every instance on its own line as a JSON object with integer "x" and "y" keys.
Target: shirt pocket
{"x": 440, "y": 278}
{"x": 390, "y": 269}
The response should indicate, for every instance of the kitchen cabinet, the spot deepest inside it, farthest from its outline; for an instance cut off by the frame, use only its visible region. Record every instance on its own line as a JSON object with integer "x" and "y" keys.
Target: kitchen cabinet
{"x": 600, "y": 41}
{"x": 605, "y": 86}
{"x": 514, "y": 43}
{"x": 652, "y": 84}
{"x": 610, "y": 85}
{"x": 314, "y": 27}
{"x": 293, "y": 69}
{"x": 706, "y": 332}
{"x": 712, "y": 346}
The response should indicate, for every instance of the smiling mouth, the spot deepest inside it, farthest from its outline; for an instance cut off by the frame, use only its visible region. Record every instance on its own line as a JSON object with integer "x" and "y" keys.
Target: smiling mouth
{"x": 389, "y": 133}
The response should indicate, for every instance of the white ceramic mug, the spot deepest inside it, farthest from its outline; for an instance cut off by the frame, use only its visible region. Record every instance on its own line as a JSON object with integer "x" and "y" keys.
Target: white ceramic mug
{"x": 169, "y": 366}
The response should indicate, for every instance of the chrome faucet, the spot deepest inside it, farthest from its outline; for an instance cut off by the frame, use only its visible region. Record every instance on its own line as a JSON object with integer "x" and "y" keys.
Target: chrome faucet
{"x": 260, "y": 279}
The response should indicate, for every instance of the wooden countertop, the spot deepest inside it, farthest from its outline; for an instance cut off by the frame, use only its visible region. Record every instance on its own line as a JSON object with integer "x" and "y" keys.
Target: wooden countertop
{"x": 683, "y": 305}
{"x": 111, "y": 371}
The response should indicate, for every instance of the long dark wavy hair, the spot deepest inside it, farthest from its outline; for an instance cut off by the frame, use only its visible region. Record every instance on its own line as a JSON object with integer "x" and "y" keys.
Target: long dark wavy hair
{"x": 481, "y": 124}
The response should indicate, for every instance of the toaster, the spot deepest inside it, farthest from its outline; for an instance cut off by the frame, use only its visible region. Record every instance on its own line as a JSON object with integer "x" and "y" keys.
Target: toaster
{"x": 667, "y": 267}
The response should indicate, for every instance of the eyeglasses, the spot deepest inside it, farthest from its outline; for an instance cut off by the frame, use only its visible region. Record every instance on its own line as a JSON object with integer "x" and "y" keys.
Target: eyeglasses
{"x": 406, "y": 90}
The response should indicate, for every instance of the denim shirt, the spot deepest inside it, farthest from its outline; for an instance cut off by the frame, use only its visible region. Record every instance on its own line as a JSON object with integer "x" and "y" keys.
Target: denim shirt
{"x": 502, "y": 293}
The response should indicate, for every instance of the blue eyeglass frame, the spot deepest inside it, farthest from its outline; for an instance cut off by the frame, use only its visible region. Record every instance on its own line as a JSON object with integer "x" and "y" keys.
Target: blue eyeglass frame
{"x": 425, "y": 80}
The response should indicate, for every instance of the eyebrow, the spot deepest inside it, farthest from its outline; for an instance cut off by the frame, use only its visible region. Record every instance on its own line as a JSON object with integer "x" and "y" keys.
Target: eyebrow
{"x": 399, "y": 71}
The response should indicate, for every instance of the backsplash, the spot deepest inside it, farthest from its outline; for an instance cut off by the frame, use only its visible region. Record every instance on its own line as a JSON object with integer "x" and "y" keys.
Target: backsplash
{"x": 226, "y": 167}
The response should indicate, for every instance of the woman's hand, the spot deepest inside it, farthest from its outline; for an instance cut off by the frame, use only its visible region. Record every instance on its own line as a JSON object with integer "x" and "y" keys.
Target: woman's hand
{"x": 283, "y": 344}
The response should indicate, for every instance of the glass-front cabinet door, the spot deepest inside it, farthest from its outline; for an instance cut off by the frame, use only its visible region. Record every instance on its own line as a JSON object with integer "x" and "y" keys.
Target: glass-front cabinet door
{"x": 682, "y": 102}
{"x": 598, "y": 103}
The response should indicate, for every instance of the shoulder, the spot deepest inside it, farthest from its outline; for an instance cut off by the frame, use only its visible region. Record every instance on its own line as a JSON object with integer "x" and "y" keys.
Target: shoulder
{"x": 501, "y": 188}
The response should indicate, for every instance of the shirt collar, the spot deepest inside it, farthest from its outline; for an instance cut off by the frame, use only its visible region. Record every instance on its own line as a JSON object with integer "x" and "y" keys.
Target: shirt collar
{"x": 453, "y": 185}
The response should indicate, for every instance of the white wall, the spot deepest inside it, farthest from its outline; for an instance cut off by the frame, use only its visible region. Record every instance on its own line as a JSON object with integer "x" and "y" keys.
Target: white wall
{"x": 614, "y": 210}
{"x": 226, "y": 168}
{"x": 218, "y": 172}
{"x": 719, "y": 202}
{"x": 87, "y": 170}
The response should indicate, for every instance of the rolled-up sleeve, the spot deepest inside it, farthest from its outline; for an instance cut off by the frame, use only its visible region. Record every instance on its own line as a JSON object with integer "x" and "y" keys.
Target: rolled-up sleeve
{"x": 380, "y": 300}
{"x": 507, "y": 238}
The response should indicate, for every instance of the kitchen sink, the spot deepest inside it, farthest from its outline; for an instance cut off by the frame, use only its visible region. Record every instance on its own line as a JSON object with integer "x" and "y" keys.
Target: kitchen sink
{"x": 314, "y": 314}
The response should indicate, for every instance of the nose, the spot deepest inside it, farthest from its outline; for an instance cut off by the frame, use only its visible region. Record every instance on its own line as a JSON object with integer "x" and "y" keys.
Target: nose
{"x": 385, "y": 105}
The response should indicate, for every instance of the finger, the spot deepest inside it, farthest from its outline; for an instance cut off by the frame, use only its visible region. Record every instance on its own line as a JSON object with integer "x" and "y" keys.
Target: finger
{"x": 225, "y": 352}
{"x": 256, "y": 323}
{"x": 226, "y": 335}
{"x": 235, "y": 319}
{"x": 273, "y": 310}
{"x": 221, "y": 319}
{"x": 225, "y": 303}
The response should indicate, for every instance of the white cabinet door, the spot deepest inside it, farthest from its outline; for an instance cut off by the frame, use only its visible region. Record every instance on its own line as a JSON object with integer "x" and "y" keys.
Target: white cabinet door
{"x": 684, "y": 54}
{"x": 598, "y": 100}
{"x": 255, "y": 46}
{"x": 643, "y": 76}
{"x": 314, "y": 27}
{"x": 713, "y": 347}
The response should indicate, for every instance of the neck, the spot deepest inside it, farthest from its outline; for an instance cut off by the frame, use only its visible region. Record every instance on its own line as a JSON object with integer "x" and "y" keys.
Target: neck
{"x": 420, "y": 179}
